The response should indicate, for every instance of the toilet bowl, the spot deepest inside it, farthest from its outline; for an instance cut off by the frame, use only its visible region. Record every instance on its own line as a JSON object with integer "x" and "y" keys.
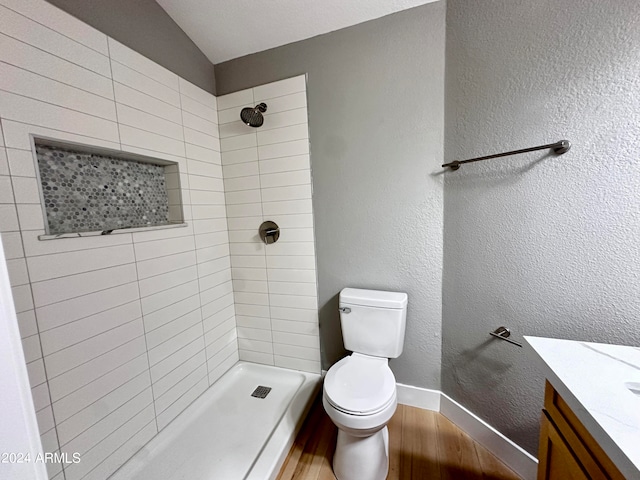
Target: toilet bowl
{"x": 359, "y": 393}
{"x": 359, "y": 396}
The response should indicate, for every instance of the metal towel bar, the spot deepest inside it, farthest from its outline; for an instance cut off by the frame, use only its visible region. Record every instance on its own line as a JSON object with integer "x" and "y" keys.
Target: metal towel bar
{"x": 558, "y": 148}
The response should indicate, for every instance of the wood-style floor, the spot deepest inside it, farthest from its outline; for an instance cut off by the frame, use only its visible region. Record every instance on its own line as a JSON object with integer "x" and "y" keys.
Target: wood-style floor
{"x": 422, "y": 445}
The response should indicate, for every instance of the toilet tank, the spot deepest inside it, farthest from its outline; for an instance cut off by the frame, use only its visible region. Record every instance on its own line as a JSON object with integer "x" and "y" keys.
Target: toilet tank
{"x": 373, "y": 321}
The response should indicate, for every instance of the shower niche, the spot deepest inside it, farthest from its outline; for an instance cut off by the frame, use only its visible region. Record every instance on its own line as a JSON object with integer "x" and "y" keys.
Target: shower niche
{"x": 87, "y": 191}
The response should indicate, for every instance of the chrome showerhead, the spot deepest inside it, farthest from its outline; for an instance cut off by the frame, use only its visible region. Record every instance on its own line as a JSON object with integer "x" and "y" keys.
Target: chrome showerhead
{"x": 253, "y": 116}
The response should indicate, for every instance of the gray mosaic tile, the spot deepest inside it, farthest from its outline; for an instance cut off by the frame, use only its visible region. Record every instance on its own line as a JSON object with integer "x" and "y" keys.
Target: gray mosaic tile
{"x": 86, "y": 192}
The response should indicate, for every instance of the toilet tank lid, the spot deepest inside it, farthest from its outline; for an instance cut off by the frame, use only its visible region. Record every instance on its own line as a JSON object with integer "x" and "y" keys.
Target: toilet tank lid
{"x": 373, "y": 298}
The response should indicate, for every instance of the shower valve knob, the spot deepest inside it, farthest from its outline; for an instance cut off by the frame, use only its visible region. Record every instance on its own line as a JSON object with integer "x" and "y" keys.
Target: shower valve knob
{"x": 269, "y": 232}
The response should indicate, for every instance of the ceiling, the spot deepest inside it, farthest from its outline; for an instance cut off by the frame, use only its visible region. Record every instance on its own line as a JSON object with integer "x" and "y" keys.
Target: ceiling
{"x": 226, "y": 29}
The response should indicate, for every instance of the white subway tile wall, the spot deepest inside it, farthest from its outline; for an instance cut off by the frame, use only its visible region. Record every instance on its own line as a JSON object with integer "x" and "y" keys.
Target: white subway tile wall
{"x": 267, "y": 176}
{"x": 121, "y": 333}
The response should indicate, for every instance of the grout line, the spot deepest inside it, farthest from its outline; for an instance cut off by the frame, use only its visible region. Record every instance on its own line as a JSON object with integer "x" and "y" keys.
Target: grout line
{"x": 132, "y": 107}
{"x": 95, "y": 379}
{"x": 112, "y": 411}
{"x": 194, "y": 370}
{"x": 57, "y": 106}
{"x": 272, "y": 215}
{"x": 202, "y": 131}
{"x": 216, "y": 273}
{"x": 93, "y": 358}
{"x": 268, "y": 145}
{"x": 60, "y": 33}
{"x": 173, "y": 354}
{"x": 51, "y": 53}
{"x": 179, "y": 365}
{"x": 199, "y": 293}
{"x": 205, "y": 133}
{"x": 265, "y": 250}
{"x": 35, "y": 308}
{"x": 170, "y": 304}
{"x": 296, "y": 282}
{"x": 165, "y": 239}
{"x": 291, "y": 199}
{"x": 118, "y": 427}
{"x": 220, "y": 323}
{"x": 164, "y": 342}
{"x": 213, "y": 110}
{"x": 106, "y": 373}
{"x": 215, "y": 258}
{"x": 172, "y": 338}
{"x": 137, "y": 127}
{"x": 115, "y": 451}
{"x": 146, "y": 346}
{"x": 282, "y": 127}
{"x": 80, "y": 249}
{"x": 169, "y": 321}
{"x": 235, "y": 352}
{"x": 288, "y": 184}
{"x": 96, "y": 357}
{"x": 20, "y": 67}
{"x": 96, "y": 335}
{"x": 222, "y": 335}
{"x": 218, "y": 311}
{"x": 58, "y": 130}
{"x": 195, "y": 384}
{"x": 115, "y": 265}
{"x": 200, "y": 116}
{"x": 182, "y": 269}
{"x": 209, "y": 149}
{"x": 152, "y": 79}
{"x": 221, "y": 296}
{"x": 261, "y": 160}
{"x": 144, "y": 93}
{"x": 313, "y": 349}
{"x": 147, "y": 149}
{"x": 267, "y": 188}
{"x": 183, "y": 266}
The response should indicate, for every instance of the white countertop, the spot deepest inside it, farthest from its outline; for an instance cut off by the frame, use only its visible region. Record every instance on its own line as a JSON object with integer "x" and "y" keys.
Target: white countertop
{"x": 592, "y": 378}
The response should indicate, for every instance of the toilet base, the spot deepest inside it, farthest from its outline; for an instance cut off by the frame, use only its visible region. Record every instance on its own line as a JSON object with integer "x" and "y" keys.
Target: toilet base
{"x": 362, "y": 458}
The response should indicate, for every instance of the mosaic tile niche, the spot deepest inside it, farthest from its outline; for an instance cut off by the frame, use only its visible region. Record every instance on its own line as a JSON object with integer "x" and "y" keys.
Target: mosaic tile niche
{"x": 89, "y": 192}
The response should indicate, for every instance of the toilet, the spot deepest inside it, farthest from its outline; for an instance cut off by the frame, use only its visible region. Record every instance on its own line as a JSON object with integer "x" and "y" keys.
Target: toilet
{"x": 359, "y": 393}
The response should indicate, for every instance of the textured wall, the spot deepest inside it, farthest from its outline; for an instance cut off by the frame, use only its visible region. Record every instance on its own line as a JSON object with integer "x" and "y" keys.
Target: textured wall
{"x": 546, "y": 246}
{"x": 145, "y": 27}
{"x": 376, "y": 104}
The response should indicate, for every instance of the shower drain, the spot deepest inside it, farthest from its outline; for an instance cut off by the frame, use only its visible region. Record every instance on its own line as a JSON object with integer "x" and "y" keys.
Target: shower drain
{"x": 261, "y": 391}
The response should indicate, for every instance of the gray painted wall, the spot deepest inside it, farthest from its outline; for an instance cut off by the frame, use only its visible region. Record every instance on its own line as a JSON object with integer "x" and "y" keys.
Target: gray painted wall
{"x": 376, "y": 116}
{"x": 145, "y": 27}
{"x": 546, "y": 246}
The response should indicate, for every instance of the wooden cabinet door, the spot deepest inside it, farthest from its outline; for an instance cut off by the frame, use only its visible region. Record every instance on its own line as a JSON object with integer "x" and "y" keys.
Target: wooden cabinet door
{"x": 557, "y": 461}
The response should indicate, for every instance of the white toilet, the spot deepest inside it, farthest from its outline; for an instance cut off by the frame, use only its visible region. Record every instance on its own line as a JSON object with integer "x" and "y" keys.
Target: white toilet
{"x": 360, "y": 390}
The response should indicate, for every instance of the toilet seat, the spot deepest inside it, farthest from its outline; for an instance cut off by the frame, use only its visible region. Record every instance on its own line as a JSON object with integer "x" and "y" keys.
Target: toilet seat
{"x": 360, "y": 385}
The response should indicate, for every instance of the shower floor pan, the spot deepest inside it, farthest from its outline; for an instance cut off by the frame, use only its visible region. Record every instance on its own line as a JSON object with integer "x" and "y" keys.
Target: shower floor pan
{"x": 227, "y": 433}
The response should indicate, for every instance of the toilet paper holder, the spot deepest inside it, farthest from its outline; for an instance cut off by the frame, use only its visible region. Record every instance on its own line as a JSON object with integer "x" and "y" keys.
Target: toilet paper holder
{"x": 502, "y": 333}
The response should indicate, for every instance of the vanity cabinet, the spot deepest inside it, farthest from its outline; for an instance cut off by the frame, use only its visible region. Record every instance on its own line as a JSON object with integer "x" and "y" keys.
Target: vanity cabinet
{"x": 567, "y": 450}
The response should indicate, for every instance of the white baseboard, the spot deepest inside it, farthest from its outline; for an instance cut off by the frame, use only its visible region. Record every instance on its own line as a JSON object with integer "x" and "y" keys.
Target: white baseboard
{"x": 512, "y": 455}
{"x": 418, "y": 397}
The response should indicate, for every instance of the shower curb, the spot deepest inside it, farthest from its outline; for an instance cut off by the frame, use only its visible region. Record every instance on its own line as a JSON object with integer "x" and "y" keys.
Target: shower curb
{"x": 510, "y": 453}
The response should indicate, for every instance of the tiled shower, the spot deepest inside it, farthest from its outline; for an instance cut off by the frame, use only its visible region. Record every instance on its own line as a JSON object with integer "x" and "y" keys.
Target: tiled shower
{"x": 267, "y": 176}
{"x": 122, "y": 332}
